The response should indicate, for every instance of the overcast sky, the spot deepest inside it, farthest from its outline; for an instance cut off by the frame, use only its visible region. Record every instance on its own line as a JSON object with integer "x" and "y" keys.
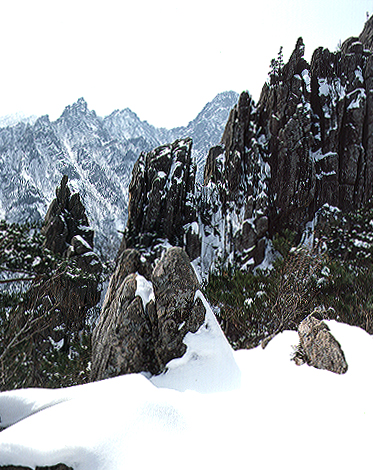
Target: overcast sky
{"x": 164, "y": 59}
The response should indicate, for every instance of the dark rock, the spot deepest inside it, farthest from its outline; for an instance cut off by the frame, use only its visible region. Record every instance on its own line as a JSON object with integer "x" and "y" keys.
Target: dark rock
{"x": 130, "y": 338}
{"x": 59, "y": 466}
{"x": 161, "y": 198}
{"x": 214, "y": 165}
{"x": 66, "y": 218}
{"x": 319, "y": 347}
{"x": 261, "y": 226}
{"x": 67, "y": 233}
{"x": 366, "y": 36}
{"x": 175, "y": 285}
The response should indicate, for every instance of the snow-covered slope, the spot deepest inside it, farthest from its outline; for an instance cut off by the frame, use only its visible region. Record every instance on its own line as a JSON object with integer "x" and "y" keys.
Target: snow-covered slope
{"x": 268, "y": 414}
{"x": 96, "y": 154}
{"x": 14, "y": 119}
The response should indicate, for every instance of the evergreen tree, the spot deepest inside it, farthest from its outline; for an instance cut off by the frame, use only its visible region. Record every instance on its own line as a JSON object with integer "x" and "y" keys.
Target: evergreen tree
{"x": 276, "y": 69}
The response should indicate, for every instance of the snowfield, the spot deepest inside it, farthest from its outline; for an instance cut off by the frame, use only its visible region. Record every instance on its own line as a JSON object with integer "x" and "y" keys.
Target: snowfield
{"x": 213, "y": 409}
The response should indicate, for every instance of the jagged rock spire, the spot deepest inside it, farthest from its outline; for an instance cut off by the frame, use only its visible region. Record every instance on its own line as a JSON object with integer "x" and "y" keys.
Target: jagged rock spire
{"x": 161, "y": 199}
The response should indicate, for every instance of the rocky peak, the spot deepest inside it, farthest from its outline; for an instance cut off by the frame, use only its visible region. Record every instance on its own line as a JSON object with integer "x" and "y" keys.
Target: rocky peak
{"x": 67, "y": 233}
{"x": 65, "y": 219}
{"x": 161, "y": 198}
{"x": 366, "y": 36}
{"x": 77, "y": 109}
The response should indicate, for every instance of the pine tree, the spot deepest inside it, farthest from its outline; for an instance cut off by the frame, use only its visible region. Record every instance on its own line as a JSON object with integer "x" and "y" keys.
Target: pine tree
{"x": 276, "y": 69}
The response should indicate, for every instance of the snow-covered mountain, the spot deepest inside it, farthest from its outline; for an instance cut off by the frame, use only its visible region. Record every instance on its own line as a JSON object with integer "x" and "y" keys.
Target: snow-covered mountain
{"x": 97, "y": 154}
{"x": 13, "y": 119}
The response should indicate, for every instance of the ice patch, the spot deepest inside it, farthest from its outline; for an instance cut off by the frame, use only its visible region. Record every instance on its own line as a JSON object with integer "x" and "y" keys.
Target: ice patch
{"x": 359, "y": 100}
{"x": 359, "y": 75}
{"x": 318, "y": 155}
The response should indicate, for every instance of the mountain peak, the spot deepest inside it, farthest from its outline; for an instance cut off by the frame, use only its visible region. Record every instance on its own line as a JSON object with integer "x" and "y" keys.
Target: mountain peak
{"x": 78, "y": 109}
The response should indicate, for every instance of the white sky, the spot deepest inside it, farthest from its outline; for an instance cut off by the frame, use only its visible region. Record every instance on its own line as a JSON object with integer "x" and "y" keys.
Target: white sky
{"x": 164, "y": 59}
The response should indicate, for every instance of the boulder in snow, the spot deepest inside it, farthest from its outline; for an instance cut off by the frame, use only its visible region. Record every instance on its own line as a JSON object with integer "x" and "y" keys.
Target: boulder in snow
{"x": 141, "y": 329}
{"x": 178, "y": 312}
{"x": 319, "y": 347}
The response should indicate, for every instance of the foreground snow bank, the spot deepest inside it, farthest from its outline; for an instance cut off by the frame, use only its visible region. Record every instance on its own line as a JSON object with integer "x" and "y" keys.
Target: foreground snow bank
{"x": 257, "y": 410}
{"x": 208, "y": 365}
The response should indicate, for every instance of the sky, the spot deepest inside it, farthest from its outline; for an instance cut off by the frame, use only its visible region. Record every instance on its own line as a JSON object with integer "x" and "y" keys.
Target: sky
{"x": 164, "y": 59}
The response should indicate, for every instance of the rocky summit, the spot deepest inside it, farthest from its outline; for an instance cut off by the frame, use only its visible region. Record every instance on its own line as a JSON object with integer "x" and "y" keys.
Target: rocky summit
{"x": 161, "y": 199}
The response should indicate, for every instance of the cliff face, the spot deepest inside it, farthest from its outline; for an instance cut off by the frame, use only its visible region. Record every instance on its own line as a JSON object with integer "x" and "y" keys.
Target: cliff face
{"x": 306, "y": 143}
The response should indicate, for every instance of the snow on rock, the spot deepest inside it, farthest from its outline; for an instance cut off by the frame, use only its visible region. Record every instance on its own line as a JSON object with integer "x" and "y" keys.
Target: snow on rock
{"x": 277, "y": 416}
{"x": 208, "y": 365}
{"x": 144, "y": 290}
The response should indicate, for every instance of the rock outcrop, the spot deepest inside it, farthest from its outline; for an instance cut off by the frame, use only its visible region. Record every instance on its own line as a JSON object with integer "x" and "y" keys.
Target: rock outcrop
{"x": 177, "y": 311}
{"x": 161, "y": 200}
{"x": 144, "y": 321}
{"x": 67, "y": 233}
{"x": 319, "y": 348}
{"x": 305, "y": 144}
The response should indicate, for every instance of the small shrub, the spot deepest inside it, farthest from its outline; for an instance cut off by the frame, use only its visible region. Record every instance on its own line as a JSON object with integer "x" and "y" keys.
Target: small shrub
{"x": 253, "y": 308}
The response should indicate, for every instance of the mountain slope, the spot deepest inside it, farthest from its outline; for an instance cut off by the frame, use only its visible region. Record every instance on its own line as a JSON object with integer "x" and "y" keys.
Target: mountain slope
{"x": 97, "y": 154}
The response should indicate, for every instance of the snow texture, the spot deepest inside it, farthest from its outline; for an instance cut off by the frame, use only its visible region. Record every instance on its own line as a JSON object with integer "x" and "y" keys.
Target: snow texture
{"x": 257, "y": 410}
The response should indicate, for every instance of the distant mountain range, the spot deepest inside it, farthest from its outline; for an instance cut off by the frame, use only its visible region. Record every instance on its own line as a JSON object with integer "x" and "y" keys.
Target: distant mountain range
{"x": 97, "y": 154}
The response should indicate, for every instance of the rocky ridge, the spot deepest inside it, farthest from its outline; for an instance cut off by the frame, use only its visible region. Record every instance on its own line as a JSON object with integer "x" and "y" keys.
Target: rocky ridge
{"x": 305, "y": 145}
{"x": 97, "y": 154}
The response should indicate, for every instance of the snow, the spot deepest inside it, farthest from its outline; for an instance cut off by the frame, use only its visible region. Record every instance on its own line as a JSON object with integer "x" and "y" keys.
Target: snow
{"x": 144, "y": 289}
{"x": 359, "y": 75}
{"x": 36, "y": 261}
{"x": 213, "y": 409}
{"x": 208, "y": 366}
{"x": 308, "y": 235}
{"x": 324, "y": 89}
{"x": 318, "y": 155}
{"x": 359, "y": 99}
{"x": 361, "y": 244}
{"x": 307, "y": 80}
